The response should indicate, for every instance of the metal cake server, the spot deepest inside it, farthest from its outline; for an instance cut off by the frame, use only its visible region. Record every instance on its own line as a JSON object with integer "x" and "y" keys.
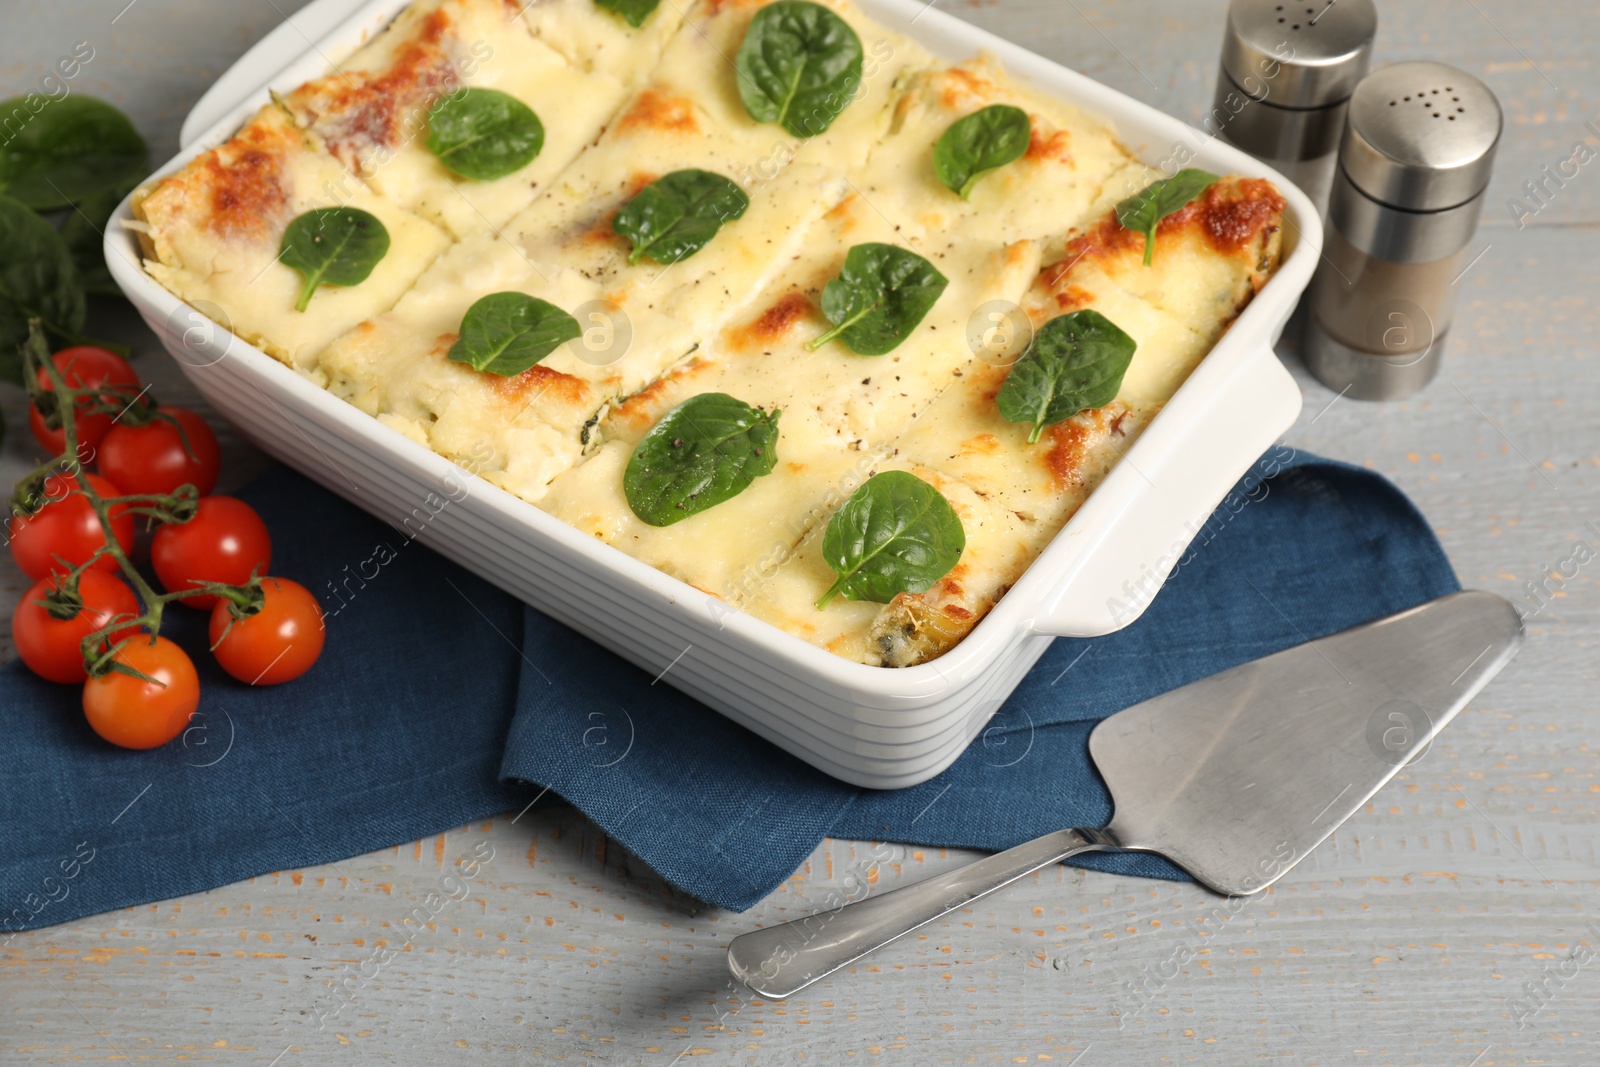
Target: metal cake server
{"x": 1236, "y": 777}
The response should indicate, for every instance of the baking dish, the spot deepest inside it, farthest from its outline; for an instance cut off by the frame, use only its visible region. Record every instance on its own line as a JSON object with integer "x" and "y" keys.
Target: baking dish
{"x": 871, "y": 726}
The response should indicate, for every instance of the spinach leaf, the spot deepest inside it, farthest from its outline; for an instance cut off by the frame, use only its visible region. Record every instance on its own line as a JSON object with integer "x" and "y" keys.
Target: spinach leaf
{"x": 84, "y": 231}
{"x": 880, "y": 295}
{"x": 1075, "y": 362}
{"x": 896, "y": 534}
{"x": 634, "y": 11}
{"x": 37, "y": 280}
{"x": 979, "y": 143}
{"x": 799, "y": 65}
{"x": 484, "y": 134}
{"x": 506, "y": 333}
{"x": 676, "y": 216}
{"x": 706, "y": 450}
{"x": 333, "y": 246}
{"x": 71, "y": 149}
{"x": 1143, "y": 211}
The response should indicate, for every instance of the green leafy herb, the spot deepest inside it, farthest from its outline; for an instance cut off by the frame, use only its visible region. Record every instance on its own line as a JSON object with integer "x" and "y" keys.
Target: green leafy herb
{"x": 84, "y": 230}
{"x": 37, "y": 280}
{"x": 799, "y": 66}
{"x": 880, "y": 295}
{"x": 981, "y": 142}
{"x": 69, "y": 150}
{"x": 506, "y": 333}
{"x": 484, "y": 134}
{"x": 634, "y": 11}
{"x": 706, "y": 450}
{"x": 1143, "y": 211}
{"x": 333, "y": 246}
{"x": 1075, "y": 362}
{"x": 896, "y": 534}
{"x": 676, "y": 216}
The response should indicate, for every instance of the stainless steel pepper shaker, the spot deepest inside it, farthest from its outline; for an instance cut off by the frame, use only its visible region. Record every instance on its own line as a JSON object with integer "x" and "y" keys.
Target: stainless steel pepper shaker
{"x": 1418, "y": 150}
{"x": 1287, "y": 71}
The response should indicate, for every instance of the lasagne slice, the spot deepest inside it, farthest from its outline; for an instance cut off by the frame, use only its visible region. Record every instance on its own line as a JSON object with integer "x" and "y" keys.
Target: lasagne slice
{"x": 518, "y": 432}
{"x": 213, "y": 230}
{"x": 914, "y": 627}
{"x": 1068, "y": 161}
{"x": 372, "y": 110}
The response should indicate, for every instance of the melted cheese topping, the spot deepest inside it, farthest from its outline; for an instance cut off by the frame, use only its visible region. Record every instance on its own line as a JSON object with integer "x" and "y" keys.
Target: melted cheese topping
{"x": 372, "y": 111}
{"x": 1070, "y": 158}
{"x": 213, "y": 231}
{"x": 594, "y": 39}
{"x": 518, "y": 432}
{"x": 623, "y": 106}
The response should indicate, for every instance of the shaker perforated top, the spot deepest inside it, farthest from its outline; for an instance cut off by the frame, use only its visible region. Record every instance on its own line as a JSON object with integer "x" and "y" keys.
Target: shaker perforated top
{"x": 1421, "y": 136}
{"x": 1309, "y": 54}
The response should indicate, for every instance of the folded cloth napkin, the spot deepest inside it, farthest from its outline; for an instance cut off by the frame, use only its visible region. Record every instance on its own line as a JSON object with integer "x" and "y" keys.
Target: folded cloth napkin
{"x": 439, "y": 700}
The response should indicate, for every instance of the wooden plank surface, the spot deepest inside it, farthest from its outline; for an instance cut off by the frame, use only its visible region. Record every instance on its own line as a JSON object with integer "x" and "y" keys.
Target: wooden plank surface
{"x": 1453, "y": 924}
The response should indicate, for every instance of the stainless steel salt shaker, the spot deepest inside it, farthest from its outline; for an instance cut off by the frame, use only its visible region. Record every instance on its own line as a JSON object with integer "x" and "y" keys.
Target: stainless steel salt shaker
{"x": 1418, "y": 149}
{"x": 1287, "y": 71}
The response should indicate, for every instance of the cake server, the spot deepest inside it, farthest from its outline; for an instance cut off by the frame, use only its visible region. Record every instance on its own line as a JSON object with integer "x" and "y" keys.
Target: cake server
{"x": 1236, "y": 777}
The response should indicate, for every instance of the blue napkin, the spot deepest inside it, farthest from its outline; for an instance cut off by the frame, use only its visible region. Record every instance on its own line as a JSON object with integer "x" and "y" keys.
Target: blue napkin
{"x": 439, "y": 700}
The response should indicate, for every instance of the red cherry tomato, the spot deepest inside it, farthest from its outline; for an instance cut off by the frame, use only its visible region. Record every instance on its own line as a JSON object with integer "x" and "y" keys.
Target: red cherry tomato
{"x": 134, "y": 713}
{"x": 152, "y": 458}
{"x": 276, "y": 644}
{"x": 68, "y": 527}
{"x": 226, "y": 541}
{"x": 84, "y": 367}
{"x": 53, "y": 647}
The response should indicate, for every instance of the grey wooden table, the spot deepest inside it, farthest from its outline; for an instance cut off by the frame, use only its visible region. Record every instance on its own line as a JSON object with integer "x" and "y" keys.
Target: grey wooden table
{"x": 1454, "y": 924}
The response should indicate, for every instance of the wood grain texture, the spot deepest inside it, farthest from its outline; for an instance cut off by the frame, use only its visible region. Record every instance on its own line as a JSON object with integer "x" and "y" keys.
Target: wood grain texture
{"x": 1415, "y": 936}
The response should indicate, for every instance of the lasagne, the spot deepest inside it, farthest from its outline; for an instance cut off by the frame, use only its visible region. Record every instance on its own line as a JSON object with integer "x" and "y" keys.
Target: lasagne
{"x": 1039, "y": 234}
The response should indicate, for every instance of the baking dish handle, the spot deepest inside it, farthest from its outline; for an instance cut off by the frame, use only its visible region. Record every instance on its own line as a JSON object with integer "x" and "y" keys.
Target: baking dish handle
{"x": 1120, "y": 573}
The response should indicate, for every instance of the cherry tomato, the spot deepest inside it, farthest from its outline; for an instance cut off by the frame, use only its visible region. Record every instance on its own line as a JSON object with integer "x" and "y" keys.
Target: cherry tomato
{"x": 68, "y": 527}
{"x": 226, "y": 541}
{"x": 134, "y": 713}
{"x": 152, "y": 458}
{"x": 53, "y": 647}
{"x": 276, "y": 644}
{"x": 84, "y": 367}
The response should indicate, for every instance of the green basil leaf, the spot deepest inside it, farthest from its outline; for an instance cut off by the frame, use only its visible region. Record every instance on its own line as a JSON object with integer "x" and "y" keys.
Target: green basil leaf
{"x": 1074, "y": 363}
{"x": 706, "y": 450}
{"x": 70, "y": 149}
{"x": 37, "y": 280}
{"x": 634, "y": 11}
{"x": 979, "y": 143}
{"x": 799, "y": 65}
{"x": 896, "y": 534}
{"x": 677, "y": 215}
{"x": 880, "y": 295}
{"x": 484, "y": 134}
{"x": 506, "y": 333}
{"x": 333, "y": 246}
{"x": 1143, "y": 211}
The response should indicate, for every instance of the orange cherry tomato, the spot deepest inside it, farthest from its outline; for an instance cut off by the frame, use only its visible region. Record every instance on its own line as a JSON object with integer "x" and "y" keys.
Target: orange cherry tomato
{"x": 226, "y": 542}
{"x": 52, "y": 647}
{"x": 276, "y": 644}
{"x": 68, "y": 527}
{"x": 134, "y": 713}
{"x": 84, "y": 367}
{"x": 156, "y": 458}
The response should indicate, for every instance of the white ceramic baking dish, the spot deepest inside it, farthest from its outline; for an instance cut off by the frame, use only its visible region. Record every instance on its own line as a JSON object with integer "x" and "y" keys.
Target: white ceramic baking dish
{"x": 876, "y": 727}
